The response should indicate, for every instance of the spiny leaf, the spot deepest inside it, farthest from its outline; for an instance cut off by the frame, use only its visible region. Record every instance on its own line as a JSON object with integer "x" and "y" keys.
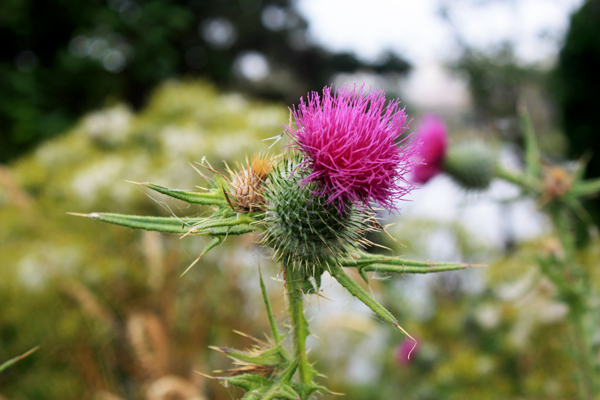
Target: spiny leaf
{"x": 160, "y": 224}
{"x": 248, "y": 382}
{"x": 412, "y": 270}
{"x": 355, "y": 290}
{"x": 268, "y": 357}
{"x": 373, "y": 262}
{"x": 212, "y": 222}
{"x": 212, "y": 198}
{"x": 214, "y": 243}
{"x": 256, "y": 394}
{"x": 281, "y": 391}
{"x": 174, "y": 225}
{"x": 358, "y": 292}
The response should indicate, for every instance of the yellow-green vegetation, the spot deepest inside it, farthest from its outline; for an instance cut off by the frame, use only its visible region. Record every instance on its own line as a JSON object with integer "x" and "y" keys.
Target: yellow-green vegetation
{"x": 106, "y": 304}
{"x": 503, "y": 341}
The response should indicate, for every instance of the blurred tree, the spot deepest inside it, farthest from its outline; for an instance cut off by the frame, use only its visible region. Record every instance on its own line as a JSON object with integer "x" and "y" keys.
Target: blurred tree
{"x": 112, "y": 316}
{"x": 64, "y": 57}
{"x": 495, "y": 82}
{"x": 579, "y": 84}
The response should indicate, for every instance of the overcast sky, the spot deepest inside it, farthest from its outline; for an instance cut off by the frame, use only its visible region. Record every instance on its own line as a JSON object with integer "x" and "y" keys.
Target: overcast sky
{"x": 414, "y": 29}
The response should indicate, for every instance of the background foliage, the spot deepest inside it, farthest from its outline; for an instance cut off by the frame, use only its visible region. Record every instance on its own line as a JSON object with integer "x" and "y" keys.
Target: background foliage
{"x": 113, "y": 318}
{"x": 64, "y": 57}
{"x": 106, "y": 304}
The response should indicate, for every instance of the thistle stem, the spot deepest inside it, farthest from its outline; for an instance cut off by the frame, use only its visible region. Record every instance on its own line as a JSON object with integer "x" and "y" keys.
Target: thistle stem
{"x": 589, "y": 384}
{"x": 299, "y": 325}
{"x": 517, "y": 179}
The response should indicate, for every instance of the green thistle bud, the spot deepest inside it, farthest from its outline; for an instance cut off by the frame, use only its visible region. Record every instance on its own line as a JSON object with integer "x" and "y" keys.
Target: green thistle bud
{"x": 303, "y": 230}
{"x": 471, "y": 164}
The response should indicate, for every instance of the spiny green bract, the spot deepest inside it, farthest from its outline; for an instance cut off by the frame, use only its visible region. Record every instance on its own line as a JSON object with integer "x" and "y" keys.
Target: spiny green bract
{"x": 302, "y": 229}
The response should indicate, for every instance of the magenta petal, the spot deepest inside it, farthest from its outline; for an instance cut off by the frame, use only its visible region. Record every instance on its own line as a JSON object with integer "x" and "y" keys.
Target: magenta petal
{"x": 433, "y": 138}
{"x": 352, "y": 142}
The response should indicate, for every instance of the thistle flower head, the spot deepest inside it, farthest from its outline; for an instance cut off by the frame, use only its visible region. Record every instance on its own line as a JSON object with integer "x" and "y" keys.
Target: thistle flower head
{"x": 433, "y": 136}
{"x": 353, "y": 147}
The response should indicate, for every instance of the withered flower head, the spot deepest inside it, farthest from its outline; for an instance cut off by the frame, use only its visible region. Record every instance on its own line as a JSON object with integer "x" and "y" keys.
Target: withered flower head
{"x": 247, "y": 184}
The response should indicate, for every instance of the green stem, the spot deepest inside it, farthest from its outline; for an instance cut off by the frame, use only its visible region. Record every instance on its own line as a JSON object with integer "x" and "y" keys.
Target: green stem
{"x": 561, "y": 222}
{"x": 18, "y": 358}
{"x": 575, "y": 293}
{"x": 585, "y": 357}
{"x": 517, "y": 179}
{"x": 300, "y": 329}
{"x": 274, "y": 331}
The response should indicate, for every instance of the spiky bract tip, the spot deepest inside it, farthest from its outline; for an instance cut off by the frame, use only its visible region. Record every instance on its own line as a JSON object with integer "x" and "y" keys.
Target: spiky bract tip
{"x": 306, "y": 230}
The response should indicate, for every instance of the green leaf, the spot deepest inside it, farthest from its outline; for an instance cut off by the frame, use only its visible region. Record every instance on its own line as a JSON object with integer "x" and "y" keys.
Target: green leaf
{"x": 212, "y": 198}
{"x": 214, "y": 243}
{"x": 269, "y": 357}
{"x": 213, "y": 222}
{"x": 159, "y": 224}
{"x": 248, "y": 382}
{"x": 281, "y": 391}
{"x": 355, "y": 290}
{"x": 374, "y": 262}
{"x": 411, "y": 270}
{"x": 586, "y": 188}
{"x": 209, "y": 226}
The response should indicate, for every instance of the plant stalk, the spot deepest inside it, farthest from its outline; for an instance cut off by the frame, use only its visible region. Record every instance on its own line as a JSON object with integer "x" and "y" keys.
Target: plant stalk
{"x": 300, "y": 329}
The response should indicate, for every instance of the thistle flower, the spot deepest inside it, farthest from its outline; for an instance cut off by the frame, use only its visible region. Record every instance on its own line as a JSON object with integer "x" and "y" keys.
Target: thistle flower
{"x": 433, "y": 136}
{"x": 353, "y": 147}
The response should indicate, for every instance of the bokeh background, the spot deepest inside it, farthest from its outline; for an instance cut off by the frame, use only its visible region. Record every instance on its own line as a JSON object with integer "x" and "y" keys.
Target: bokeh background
{"x": 94, "y": 92}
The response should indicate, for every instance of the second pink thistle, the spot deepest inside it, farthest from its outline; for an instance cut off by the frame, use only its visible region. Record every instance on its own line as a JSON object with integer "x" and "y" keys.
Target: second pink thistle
{"x": 433, "y": 136}
{"x": 353, "y": 147}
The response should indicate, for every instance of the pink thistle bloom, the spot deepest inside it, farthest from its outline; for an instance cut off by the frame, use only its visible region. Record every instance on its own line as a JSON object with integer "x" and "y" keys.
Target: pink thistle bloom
{"x": 433, "y": 136}
{"x": 353, "y": 147}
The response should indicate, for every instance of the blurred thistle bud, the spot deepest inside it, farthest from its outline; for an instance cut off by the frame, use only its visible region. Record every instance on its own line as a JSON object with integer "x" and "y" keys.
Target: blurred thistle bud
{"x": 306, "y": 230}
{"x": 471, "y": 164}
{"x": 432, "y": 137}
{"x": 557, "y": 182}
